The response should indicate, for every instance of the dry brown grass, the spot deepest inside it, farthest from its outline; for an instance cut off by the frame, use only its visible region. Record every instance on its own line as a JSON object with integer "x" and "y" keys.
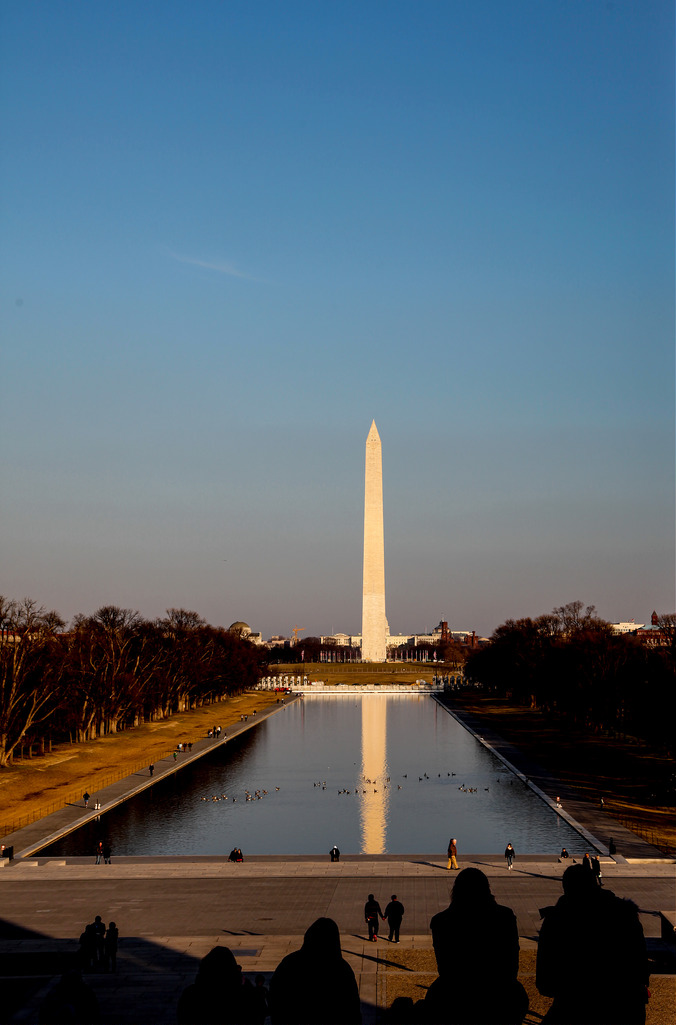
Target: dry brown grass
{"x": 594, "y": 765}
{"x": 36, "y": 786}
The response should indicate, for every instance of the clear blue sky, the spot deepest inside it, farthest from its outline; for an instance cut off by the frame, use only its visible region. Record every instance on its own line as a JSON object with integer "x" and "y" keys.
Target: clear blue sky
{"x": 232, "y": 234}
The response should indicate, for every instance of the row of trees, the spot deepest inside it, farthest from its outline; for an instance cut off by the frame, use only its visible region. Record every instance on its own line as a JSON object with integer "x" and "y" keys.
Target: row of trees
{"x": 109, "y": 671}
{"x": 571, "y": 663}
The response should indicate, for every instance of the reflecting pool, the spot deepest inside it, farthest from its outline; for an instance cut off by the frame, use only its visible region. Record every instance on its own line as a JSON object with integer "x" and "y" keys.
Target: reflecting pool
{"x": 374, "y": 774}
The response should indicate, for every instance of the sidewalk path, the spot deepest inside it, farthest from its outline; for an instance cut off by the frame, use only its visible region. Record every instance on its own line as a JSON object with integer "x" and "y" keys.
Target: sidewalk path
{"x": 172, "y": 911}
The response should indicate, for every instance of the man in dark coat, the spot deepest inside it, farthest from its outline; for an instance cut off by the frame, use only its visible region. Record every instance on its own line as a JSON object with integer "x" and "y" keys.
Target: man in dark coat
{"x": 334, "y": 853}
{"x": 607, "y": 988}
{"x": 394, "y": 912}
{"x": 371, "y": 913}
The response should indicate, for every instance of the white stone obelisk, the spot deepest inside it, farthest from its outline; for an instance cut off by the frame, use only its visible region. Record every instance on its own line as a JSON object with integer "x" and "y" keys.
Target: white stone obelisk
{"x": 373, "y": 621}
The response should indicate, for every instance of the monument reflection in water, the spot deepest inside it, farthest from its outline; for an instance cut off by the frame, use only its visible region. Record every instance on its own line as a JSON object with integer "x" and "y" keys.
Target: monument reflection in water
{"x": 374, "y": 774}
{"x": 374, "y": 804}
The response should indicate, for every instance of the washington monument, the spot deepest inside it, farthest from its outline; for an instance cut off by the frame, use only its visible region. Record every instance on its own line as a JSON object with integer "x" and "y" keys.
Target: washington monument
{"x": 373, "y": 621}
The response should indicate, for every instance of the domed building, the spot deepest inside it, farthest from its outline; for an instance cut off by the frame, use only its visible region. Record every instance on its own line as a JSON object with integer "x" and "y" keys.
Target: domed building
{"x": 243, "y": 630}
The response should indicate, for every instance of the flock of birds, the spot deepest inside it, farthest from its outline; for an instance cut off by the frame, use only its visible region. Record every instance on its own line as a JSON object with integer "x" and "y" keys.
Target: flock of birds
{"x": 386, "y": 784}
{"x": 371, "y": 784}
{"x": 248, "y": 796}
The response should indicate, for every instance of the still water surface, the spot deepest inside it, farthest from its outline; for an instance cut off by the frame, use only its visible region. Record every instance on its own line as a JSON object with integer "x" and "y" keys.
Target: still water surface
{"x": 374, "y": 774}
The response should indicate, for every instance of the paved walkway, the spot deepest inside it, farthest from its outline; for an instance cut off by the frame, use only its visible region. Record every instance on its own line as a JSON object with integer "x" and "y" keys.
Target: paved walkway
{"x": 171, "y": 911}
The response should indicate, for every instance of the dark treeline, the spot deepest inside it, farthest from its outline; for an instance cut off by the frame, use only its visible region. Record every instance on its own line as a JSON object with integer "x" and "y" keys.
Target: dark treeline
{"x": 109, "y": 671}
{"x": 569, "y": 662}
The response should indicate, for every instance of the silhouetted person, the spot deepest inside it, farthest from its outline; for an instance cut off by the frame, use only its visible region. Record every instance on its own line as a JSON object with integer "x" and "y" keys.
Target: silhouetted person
{"x": 394, "y": 912}
{"x": 110, "y": 947}
{"x": 510, "y": 855}
{"x": 217, "y": 996}
{"x": 107, "y": 853}
{"x": 236, "y": 854}
{"x": 71, "y": 1002}
{"x": 151, "y": 769}
{"x": 612, "y": 849}
{"x": 371, "y": 912}
{"x": 564, "y": 854}
{"x": 85, "y": 798}
{"x": 259, "y": 997}
{"x": 476, "y": 943}
{"x": 334, "y": 853}
{"x": 591, "y": 956}
{"x": 88, "y": 948}
{"x": 99, "y": 931}
{"x": 596, "y": 869}
{"x": 315, "y": 985}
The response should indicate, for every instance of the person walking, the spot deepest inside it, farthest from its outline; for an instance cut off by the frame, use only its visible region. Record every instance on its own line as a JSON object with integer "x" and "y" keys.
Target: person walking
{"x": 394, "y": 912}
{"x": 452, "y": 854}
{"x": 107, "y": 853}
{"x": 371, "y": 912}
{"x": 85, "y": 798}
{"x": 151, "y": 769}
{"x": 99, "y": 852}
{"x": 510, "y": 854}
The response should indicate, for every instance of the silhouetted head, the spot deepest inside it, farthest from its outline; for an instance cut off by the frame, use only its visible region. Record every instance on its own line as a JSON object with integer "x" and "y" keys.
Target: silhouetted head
{"x": 578, "y": 882}
{"x": 371, "y": 897}
{"x": 322, "y": 940}
{"x": 393, "y": 897}
{"x": 471, "y": 887}
{"x": 219, "y": 968}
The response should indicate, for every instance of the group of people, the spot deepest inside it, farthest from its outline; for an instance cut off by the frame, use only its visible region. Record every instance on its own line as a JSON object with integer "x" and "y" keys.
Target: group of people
{"x": 476, "y": 947}
{"x": 103, "y": 852}
{"x": 311, "y": 985}
{"x": 98, "y": 946}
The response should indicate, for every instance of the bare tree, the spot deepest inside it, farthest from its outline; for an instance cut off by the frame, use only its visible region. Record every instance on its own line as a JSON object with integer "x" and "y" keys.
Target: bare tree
{"x": 31, "y": 670}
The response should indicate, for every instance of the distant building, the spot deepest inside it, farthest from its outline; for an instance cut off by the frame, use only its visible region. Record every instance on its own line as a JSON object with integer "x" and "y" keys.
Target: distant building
{"x": 245, "y": 631}
{"x": 440, "y": 634}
